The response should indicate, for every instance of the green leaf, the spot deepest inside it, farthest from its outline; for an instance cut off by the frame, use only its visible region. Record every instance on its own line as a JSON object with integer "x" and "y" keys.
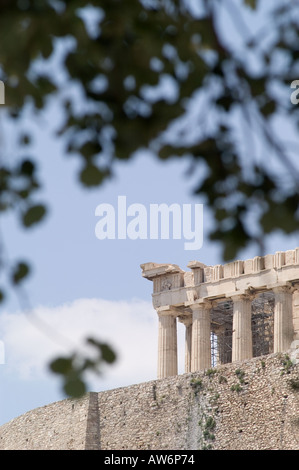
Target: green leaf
{"x": 107, "y": 353}
{"x": 27, "y": 167}
{"x": 268, "y": 108}
{"x": 225, "y": 101}
{"x": 23, "y": 193}
{"x": 25, "y": 139}
{"x": 74, "y": 387}
{"x": 34, "y": 215}
{"x": 20, "y": 272}
{"x": 90, "y": 149}
{"x": 92, "y": 175}
{"x": 251, "y": 3}
{"x": 258, "y": 85}
{"x": 281, "y": 216}
{"x": 62, "y": 365}
{"x": 45, "y": 85}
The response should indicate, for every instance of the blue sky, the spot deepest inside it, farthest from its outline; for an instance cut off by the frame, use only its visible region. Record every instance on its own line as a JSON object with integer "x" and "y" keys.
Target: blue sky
{"x": 80, "y": 285}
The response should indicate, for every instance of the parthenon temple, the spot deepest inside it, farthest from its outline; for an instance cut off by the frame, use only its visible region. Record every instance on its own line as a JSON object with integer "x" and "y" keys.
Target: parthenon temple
{"x": 231, "y": 312}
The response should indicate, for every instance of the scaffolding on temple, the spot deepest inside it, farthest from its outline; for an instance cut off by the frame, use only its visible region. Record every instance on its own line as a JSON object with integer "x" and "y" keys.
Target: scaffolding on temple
{"x": 263, "y": 324}
{"x": 262, "y": 328}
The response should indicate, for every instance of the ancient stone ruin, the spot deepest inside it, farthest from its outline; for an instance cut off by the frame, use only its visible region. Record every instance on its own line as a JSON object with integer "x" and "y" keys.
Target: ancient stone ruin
{"x": 232, "y": 312}
{"x": 241, "y": 386}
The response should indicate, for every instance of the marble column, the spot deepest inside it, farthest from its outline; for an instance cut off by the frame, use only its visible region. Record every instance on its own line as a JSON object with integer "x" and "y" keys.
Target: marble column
{"x": 283, "y": 318}
{"x": 201, "y": 336}
{"x": 242, "y": 332}
{"x": 188, "y": 342}
{"x": 167, "y": 345}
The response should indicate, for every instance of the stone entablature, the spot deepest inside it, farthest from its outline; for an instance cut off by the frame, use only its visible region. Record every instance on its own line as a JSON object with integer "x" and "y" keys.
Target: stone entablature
{"x": 191, "y": 296}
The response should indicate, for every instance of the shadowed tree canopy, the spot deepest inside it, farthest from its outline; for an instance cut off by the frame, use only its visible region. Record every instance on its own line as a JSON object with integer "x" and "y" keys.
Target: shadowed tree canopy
{"x": 208, "y": 80}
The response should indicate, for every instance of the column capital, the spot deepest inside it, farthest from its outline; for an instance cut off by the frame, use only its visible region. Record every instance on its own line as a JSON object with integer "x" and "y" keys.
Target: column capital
{"x": 287, "y": 288}
{"x": 201, "y": 304}
{"x": 168, "y": 310}
{"x": 186, "y": 320}
{"x": 241, "y": 295}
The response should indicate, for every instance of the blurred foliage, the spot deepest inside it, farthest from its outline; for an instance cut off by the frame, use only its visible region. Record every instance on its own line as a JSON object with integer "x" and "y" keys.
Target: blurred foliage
{"x": 139, "y": 65}
{"x": 73, "y": 368}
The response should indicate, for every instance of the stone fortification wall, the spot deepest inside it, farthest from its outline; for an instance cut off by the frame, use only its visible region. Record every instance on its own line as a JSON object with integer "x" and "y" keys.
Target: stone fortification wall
{"x": 249, "y": 405}
{"x": 60, "y": 425}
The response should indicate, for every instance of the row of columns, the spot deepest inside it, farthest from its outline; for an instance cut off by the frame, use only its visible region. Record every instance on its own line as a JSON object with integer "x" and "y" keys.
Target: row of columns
{"x": 198, "y": 332}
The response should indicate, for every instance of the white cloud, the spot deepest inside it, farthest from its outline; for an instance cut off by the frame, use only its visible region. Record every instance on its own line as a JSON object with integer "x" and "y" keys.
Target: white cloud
{"x": 130, "y": 327}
